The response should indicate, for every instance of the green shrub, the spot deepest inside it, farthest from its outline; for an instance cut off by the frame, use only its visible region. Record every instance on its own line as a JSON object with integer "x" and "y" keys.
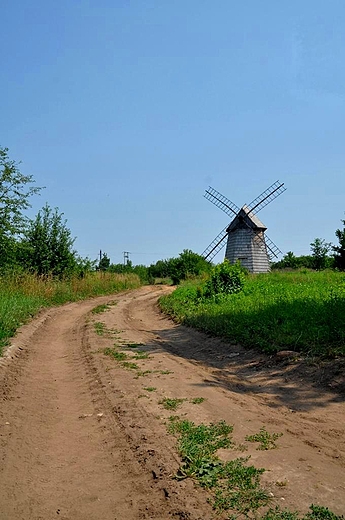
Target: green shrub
{"x": 225, "y": 278}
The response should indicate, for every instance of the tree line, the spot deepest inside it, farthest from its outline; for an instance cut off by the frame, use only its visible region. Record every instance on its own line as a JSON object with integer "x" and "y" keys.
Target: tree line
{"x": 324, "y": 255}
{"x": 44, "y": 245}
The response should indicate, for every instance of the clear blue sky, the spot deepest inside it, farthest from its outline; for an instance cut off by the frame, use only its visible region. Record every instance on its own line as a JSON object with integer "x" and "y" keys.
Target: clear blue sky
{"x": 127, "y": 110}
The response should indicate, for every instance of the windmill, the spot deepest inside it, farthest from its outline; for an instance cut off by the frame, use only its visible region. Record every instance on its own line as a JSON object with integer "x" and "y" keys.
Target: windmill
{"x": 246, "y": 238}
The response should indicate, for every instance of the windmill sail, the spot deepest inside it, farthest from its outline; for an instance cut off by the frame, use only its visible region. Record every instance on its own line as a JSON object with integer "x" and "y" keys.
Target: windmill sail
{"x": 216, "y": 245}
{"x": 221, "y": 202}
{"x": 266, "y": 197}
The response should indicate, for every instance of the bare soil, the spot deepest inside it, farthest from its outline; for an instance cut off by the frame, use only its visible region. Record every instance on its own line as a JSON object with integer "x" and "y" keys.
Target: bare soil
{"x": 81, "y": 437}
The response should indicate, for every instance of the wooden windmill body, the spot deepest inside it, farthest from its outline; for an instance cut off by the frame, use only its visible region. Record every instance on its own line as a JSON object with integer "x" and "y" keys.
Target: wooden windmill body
{"x": 245, "y": 236}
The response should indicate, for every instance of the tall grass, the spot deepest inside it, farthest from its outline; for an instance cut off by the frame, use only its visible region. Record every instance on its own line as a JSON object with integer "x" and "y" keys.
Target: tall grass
{"x": 22, "y": 295}
{"x": 301, "y": 310}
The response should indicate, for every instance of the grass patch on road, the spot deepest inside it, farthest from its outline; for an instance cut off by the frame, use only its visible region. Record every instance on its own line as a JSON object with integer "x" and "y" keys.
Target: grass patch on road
{"x": 265, "y": 439}
{"x": 235, "y": 485}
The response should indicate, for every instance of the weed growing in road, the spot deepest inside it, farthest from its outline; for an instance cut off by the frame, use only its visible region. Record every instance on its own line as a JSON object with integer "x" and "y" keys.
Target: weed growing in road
{"x": 141, "y": 354}
{"x": 164, "y": 372}
{"x": 266, "y": 439}
{"x": 236, "y": 485}
{"x": 171, "y": 404}
{"x": 133, "y": 345}
{"x": 130, "y": 365}
{"x": 119, "y": 356}
{"x": 142, "y": 373}
{"x": 314, "y": 513}
{"x": 150, "y": 388}
{"x": 100, "y": 308}
{"x": 197, "y": 400}
{"x": 100, "y": 328}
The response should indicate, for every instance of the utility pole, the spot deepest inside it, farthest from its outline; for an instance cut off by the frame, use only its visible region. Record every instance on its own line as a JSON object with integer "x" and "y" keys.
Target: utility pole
{"x": 126, "y": 257}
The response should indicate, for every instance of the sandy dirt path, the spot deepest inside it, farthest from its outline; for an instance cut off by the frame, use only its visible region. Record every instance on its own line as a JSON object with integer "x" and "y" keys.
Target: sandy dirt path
{"x": 82, "y": 437}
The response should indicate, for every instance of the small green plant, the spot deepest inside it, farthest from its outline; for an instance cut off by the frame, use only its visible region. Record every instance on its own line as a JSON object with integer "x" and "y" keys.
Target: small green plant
{"x": 100, "y": 308}
{"x": 321, "y": 513}
{"x": 133, "y": 345}
{"x": 119, "y": 356}
{"x": 164, "y": 372}
{"x": 142, "y": 373}
{"x": 236, "y": 485}
{"x": 197, "y": 400}
{"x": 130, "y": 365}
{"x": 100, "y": 328}
{"x": 141, "y": 354}
{"x": 150, "y": 388}
{"x": 266, "y": 439}
{"x": 171, "y": 404}
{"x": 314, "y": 513}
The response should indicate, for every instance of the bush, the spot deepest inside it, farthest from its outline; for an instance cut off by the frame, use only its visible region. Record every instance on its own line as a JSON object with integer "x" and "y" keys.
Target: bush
{"x": 225, "y": 278}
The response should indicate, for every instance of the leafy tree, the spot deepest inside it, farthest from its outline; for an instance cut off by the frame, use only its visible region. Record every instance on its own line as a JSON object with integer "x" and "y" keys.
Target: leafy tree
{"x": 320, "y": 249}
{"x": 188, "y": 264}
{"x": 159, "y": 270}
{"x": 16, "y": 190}
{"x": 339, "y": 251}
{"x": 48, "y": 244}
{"x": 104, "y": 262}
{"x": 290, "y": 260}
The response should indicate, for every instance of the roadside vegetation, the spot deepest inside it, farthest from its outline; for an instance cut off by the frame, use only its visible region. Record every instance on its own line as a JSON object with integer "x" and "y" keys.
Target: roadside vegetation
{"x": 22, "y": 295}
{"x": 299, "y": 310}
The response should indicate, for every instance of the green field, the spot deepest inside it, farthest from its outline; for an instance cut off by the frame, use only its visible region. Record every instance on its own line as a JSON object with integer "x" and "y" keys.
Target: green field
{"x": 23, "y": 295}
{"x": 299, "y": 310}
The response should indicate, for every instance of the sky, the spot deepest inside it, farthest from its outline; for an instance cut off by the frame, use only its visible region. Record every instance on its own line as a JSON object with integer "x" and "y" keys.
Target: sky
{"x": 128, "y": 110}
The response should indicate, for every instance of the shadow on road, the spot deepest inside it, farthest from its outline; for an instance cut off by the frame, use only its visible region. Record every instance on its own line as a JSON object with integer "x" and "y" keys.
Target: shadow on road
{"x": 295, "y": 382}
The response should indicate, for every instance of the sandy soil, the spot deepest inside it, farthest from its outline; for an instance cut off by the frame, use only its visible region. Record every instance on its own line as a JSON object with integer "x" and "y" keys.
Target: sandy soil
{"x": 81, "y": 438}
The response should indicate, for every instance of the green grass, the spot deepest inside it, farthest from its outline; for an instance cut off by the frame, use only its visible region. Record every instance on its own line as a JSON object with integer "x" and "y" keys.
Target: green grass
{"x": 100, "y": 328}
{"x": 130, "y": 365}
{"x": 171, "y": 404}
{"x": 314, "y": 513}
{"x": 197, "y": 400}
{"x": 141, "y": 354}
{"x": 150, "y": 388}
{"x": 22, "y": 295}
{"x": 235, "y": 485}
{"x": 299, "y": 310}
{"x": 114, "y": 353}
{"x": 265, "y": 439}
{"x": 100, "y": 308}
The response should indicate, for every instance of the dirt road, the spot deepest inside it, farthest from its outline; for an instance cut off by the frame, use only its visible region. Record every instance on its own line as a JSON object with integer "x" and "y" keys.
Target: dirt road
{"x": 83, "y": 437}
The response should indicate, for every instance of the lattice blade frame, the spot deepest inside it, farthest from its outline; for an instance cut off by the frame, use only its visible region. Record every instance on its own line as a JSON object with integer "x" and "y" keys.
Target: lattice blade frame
{"x": 216, "y": 245}
{"x": 221, "y": 202}
{"x": 266, "y": 197}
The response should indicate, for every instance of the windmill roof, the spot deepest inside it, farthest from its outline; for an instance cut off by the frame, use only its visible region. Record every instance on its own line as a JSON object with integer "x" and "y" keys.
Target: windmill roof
{"x": 251, "y": 220}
